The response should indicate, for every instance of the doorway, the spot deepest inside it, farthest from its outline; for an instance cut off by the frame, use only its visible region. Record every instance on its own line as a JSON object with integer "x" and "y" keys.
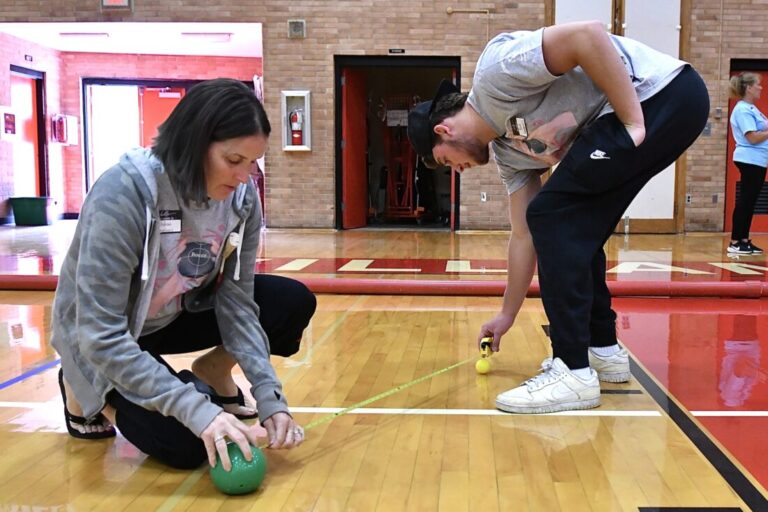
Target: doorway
{"x": 30, "y": 176}
{"x": 123, "y": 114}
{"x": 380, "y": 181}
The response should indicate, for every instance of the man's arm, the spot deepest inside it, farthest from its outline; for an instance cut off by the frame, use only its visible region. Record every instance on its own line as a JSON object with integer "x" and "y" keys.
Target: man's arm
{"x": 521, "y": 262}
{"x": 586, "y": 44}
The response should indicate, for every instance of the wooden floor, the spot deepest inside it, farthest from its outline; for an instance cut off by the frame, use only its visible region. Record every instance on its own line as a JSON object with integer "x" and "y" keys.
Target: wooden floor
{"x": 438, "y": 445}
{"x": 666, "y": 439}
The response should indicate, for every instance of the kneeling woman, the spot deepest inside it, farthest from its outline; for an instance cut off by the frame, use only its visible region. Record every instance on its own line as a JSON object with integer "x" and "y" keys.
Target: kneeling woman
{"x": 162, "y": 262}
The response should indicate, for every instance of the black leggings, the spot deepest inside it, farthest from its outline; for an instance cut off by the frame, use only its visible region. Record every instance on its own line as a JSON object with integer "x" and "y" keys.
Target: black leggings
{"x": 752, "y": 179}
{"x": 286, "y": 307}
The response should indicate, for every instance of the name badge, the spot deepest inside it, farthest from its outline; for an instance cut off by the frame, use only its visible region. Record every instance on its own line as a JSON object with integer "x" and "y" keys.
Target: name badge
{"x": 516, "y": 128}
{"x": 170, "y": 221}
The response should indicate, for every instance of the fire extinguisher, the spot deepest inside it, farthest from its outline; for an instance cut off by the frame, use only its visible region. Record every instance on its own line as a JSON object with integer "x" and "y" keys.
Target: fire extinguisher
{"x": 296, "y": 118}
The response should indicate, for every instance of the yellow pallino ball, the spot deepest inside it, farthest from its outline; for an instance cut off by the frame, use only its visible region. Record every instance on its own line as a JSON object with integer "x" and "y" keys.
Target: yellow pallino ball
{"x": 482, "y": 366}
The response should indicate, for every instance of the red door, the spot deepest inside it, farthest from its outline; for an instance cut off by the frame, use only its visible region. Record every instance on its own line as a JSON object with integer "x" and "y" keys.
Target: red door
{"x": 354, "y": 167}
{"x": 155, "y": 105}
{"x": 732, "y": 175}
{"x": 26, "y": 165}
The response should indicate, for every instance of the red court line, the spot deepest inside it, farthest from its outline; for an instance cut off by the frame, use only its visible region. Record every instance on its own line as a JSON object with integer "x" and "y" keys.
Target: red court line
{"x": 732, "y": 289}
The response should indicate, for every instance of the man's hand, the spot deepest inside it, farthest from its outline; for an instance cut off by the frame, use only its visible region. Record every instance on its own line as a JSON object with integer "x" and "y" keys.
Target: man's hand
{"x": 496, "y": 328}
{"x": 636, "y": 133}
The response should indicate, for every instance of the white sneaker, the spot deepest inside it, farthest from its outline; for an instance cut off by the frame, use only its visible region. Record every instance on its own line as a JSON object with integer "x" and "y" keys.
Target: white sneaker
{"x": 556, "y": 388}
{"x": 614, "y": 368}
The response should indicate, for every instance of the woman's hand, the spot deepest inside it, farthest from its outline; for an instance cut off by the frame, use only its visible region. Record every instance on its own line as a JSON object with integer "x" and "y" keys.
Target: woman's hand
{"x": 225, "y": 426}
{"x": 283, "y": 431}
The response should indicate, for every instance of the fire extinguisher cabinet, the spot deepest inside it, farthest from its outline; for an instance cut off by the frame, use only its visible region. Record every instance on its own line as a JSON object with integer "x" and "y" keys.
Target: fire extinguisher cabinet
{"x": 296, "y": 120}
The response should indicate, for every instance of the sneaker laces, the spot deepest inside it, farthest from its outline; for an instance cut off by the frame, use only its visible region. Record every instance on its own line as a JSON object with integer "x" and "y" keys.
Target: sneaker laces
{"x": 547, "y": 375}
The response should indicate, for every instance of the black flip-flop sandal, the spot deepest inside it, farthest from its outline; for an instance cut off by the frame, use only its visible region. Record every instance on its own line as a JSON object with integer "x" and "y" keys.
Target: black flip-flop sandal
{"x": 202, "y": 387}
{"x": 72, "y": 419}
{"x": 234, "y": 400}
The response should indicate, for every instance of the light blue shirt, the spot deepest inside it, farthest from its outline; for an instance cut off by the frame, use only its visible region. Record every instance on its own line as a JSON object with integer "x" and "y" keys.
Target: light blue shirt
{"x": 747, "y": 118}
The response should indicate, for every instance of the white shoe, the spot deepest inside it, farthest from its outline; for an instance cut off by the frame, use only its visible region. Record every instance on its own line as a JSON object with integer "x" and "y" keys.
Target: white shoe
{"x": 614, "y": 368}
{"x": 556, "y": 388}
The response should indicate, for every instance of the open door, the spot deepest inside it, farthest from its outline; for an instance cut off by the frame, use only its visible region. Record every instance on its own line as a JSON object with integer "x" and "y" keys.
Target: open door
{"x": 354, "y": 135}
{"x": 155, "y": 105}
{"x": 26, "y": 148}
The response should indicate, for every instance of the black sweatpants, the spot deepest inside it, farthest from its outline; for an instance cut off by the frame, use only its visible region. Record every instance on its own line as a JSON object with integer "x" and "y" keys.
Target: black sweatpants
{"x": 286, "y": 307}
{"x": 752, "y": 179}
{"x": 579, "y": 206}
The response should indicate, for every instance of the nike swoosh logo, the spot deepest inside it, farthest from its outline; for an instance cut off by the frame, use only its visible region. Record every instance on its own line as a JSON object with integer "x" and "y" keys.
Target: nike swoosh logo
{"x": 561, "y": 391}
{"x": 599, "y": 155}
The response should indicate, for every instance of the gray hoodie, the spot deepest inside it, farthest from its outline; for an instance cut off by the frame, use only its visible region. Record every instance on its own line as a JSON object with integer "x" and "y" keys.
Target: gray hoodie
{"x": 106, "y": 284}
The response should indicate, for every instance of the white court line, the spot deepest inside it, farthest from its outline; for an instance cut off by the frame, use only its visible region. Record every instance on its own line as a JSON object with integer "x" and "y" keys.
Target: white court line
{"x": 464, "y": 412}
{"x": 726, "y": 414}
{"x": 457, "y": 412}
{"x": 25, "y": 405}
{"x": 296, "y": 265}
{"x": 404, "y": 411}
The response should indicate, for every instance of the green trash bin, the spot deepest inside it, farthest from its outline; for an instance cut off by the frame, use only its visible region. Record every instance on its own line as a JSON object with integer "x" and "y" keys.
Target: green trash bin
{"x": 31, "y": 211}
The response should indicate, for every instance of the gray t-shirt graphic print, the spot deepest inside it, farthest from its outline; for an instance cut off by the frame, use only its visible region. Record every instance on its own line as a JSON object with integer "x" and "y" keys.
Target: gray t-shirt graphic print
{"x": 190, "y": 242}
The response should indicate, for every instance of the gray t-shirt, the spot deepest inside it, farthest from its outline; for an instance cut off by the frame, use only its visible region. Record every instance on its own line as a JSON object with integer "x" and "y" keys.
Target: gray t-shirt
{"x": 537, "y": 114}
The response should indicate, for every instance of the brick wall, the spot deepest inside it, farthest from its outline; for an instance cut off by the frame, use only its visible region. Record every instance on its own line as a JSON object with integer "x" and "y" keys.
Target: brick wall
{"x": 301, "y": 186}
{"x": 422, "y": 28}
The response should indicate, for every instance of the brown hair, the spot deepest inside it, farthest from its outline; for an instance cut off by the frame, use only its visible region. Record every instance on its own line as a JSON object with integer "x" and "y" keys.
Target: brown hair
{"x": 211, "y": 111}
{"x": 740, "y": 82}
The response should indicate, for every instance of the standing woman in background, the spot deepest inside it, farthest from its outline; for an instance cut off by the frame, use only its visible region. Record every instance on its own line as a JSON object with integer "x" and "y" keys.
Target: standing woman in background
{"x": 750, "y": 131}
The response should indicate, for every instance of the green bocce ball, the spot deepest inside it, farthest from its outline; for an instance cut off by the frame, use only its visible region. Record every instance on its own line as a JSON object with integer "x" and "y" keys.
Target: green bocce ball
{"x": 245, "y": 476}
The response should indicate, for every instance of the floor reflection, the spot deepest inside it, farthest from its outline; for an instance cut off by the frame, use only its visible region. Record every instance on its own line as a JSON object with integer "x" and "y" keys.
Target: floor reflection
{"x": 708, "y": 354}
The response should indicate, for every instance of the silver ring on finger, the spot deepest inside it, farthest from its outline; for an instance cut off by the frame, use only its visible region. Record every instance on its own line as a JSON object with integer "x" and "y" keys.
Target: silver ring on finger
{"x": 218, "y": 438}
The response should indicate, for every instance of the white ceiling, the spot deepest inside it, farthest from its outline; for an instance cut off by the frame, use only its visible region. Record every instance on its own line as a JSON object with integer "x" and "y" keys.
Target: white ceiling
{"x": 210, "y": 39}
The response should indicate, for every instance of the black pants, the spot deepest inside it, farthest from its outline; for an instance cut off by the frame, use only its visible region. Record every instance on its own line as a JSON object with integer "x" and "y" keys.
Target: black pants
{"x": 578, "y": 208}
{"x": 752, "y": 179}
{"x": 286, "y": 307}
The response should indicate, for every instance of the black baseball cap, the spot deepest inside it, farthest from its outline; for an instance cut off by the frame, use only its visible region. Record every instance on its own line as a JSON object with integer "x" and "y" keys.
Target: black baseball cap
{"x": 420, "y": 130}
